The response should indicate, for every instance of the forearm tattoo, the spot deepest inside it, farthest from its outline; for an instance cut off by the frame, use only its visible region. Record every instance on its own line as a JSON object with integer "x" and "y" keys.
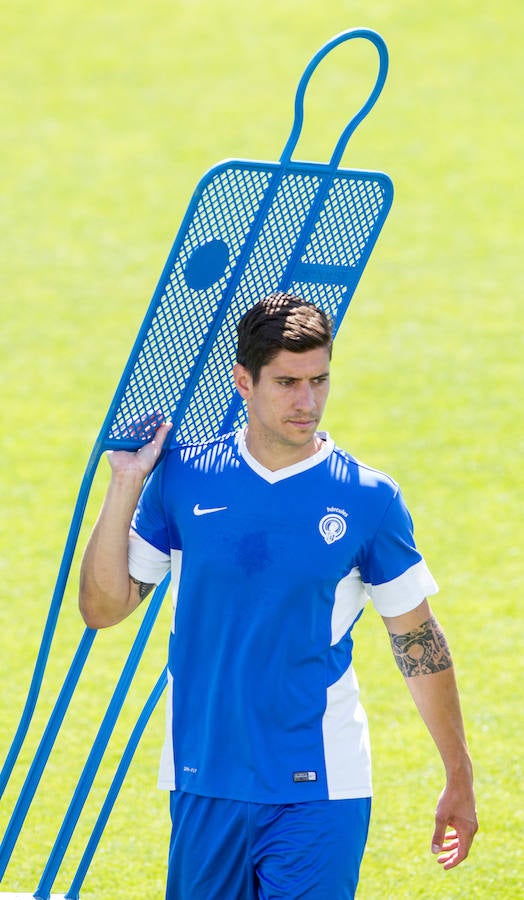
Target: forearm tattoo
{"x": 143, "y": 589}
{"x": 421, "y": 651}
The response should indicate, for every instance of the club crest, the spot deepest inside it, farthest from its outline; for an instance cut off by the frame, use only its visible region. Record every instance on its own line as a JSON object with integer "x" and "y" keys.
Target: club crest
{"x": 332, "y": 527}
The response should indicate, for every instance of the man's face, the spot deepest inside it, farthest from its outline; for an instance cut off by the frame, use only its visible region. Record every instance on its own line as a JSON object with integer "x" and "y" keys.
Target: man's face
{"x": 286, "y": 404}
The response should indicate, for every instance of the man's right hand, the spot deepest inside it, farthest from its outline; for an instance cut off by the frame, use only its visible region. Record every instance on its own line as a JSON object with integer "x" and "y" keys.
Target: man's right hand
{"x": 139, "y": 462}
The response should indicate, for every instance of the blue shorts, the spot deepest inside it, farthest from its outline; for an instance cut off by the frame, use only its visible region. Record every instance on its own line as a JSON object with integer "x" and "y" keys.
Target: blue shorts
{"x": 231, "y": 850}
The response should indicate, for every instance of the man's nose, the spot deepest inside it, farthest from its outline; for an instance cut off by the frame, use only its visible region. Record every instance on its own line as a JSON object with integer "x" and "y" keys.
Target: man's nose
{"x": 304, "y": 396}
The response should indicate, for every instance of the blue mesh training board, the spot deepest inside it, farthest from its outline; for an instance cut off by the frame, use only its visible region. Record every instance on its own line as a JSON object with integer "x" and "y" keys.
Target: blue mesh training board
{"x": 251, "y": 228}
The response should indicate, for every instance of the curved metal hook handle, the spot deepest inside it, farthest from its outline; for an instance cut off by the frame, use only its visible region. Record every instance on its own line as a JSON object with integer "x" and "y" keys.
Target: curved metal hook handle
{"x": 367, "y": 34}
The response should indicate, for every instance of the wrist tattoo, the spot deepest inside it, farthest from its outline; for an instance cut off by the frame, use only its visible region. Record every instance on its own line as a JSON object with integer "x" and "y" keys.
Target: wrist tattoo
{"x": 421, "y": 651}
{"x": 143, "y": 589}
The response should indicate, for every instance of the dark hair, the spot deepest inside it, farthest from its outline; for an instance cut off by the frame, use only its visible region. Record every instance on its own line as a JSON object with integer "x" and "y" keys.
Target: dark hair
{"x": 280, "y": 322}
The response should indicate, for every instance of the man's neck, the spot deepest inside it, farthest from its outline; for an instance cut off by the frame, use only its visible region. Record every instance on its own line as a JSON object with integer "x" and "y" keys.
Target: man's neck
{"x": 275, "y": 455}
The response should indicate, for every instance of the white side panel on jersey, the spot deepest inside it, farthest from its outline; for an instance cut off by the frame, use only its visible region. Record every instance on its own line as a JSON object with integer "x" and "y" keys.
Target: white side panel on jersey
{"x": 346, "y": 741}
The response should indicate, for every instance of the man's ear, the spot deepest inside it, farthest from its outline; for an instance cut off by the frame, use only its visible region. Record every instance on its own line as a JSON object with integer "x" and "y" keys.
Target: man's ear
{"x": 243, "y": 381}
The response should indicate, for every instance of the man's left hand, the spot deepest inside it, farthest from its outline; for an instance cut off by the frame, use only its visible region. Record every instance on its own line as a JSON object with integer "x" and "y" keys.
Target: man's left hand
{"x": 456, "y": 824}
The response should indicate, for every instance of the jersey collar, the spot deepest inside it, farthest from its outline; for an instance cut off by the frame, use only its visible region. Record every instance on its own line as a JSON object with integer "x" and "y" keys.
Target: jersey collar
{"x": 288, "y": 471}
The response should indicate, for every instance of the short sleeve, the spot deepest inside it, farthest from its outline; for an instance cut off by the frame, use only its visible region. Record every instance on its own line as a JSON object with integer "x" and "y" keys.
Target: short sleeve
{"x": 149, "y": 520}
{"x": 393, "y": 570}
{"x": 145, "y": 562}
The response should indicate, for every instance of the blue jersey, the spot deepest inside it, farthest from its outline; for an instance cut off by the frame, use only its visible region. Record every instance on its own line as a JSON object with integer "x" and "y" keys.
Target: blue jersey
{"x": 270, "y": 572}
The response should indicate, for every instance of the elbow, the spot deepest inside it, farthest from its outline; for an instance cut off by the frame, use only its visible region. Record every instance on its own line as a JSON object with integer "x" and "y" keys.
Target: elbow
{"x": 95, "y": 609}
{"x": 98, "y": 618}
{"x": 91, "y": 616}
{"x": 101, "y": 604}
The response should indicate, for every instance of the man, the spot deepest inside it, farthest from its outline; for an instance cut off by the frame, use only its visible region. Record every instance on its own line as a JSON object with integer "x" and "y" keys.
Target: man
{"x": 275, "y": 539}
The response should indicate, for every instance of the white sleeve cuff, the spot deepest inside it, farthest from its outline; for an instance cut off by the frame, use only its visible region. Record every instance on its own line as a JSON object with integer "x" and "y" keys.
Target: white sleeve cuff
{"x": 145, "y": 562}
{"x": 402, "y": 594}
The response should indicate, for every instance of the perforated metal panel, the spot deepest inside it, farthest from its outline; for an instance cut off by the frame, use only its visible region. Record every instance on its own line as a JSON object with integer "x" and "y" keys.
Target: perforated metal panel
{"x": 251, "y": 229}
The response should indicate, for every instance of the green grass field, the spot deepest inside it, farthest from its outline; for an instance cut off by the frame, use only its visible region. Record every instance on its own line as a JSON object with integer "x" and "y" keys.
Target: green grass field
{"x": 110, "y": 114}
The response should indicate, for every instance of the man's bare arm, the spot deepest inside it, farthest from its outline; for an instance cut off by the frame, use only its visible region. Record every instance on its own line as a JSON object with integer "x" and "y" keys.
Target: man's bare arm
{"x": 107, "y": 593}
{"x": 423, "y": 656}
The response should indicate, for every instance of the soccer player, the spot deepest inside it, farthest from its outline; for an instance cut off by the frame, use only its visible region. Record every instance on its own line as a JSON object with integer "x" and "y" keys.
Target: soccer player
{"x": 276, "y": 539}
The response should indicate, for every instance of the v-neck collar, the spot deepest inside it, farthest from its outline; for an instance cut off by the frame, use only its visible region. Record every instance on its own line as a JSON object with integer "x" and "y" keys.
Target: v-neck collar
{"x": 288, "y": 471}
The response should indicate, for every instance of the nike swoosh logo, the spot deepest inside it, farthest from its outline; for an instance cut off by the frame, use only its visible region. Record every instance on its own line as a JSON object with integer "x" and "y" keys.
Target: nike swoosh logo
{"x": 205, "y": 512}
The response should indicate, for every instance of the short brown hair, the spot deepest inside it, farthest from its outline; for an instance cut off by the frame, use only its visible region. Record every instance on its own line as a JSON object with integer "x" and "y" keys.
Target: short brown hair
{"x": 280, "y": 322}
